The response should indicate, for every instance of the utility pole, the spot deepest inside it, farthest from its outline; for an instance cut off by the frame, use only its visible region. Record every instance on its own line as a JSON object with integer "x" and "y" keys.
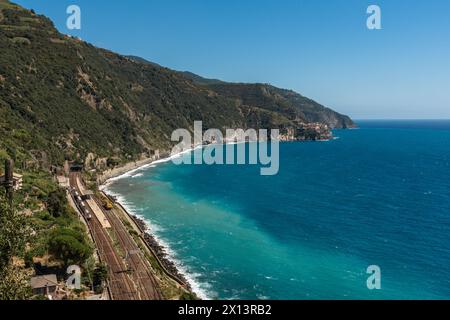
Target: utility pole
{"x": 9, "y": 181}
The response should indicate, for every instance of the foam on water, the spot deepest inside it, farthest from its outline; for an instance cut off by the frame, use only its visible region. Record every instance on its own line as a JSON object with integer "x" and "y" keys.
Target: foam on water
{"x": 202, "y": 290}
{"x": 370, "y": 197}
{"x": 132, "y": 173}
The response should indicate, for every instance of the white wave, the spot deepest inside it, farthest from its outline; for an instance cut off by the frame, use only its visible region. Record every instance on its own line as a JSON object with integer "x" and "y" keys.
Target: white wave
{"x": 137, "y": 175}
{"x": 124, "y": 175}
{"x": 154, "y": 163}
{"x": 202, "y": 290}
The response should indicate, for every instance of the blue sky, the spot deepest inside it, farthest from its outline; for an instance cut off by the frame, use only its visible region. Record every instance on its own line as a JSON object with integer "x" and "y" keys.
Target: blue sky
{"x": 319, "y": 48}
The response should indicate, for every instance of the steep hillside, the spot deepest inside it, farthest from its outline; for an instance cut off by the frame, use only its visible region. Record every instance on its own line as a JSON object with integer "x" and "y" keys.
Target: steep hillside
{"x": 62, "y": 98}
{"x": 286, "y": 102}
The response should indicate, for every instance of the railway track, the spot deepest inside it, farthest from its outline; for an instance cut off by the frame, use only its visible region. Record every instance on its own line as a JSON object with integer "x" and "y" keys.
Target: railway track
{"x": 140, "y": 268}
{"x": 121, "y": 286}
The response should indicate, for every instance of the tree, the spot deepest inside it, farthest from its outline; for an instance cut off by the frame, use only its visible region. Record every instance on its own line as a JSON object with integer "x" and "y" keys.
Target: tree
{"x": 100, "y": 276}
{"x": 69, "y": 246}
{"x": 14, "y": 234}
{"x": 57, "y": 203}
{"x": 14, "y": 284}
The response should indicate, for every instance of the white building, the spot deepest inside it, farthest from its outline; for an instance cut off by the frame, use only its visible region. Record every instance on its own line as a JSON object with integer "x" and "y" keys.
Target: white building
{"x": 17, "y": 181}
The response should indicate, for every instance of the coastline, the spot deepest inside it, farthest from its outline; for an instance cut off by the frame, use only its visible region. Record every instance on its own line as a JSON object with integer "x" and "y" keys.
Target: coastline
{"x": 166, "y": 257}
{"x": 127, "y": 168}
{"x": 160, "y": 248}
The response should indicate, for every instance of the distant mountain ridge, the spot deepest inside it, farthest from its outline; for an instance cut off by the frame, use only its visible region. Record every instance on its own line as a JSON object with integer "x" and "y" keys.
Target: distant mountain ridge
{"x": 64, "y": 99}
{"x": 271, "y": 98}
{"x": 200, "y": 80}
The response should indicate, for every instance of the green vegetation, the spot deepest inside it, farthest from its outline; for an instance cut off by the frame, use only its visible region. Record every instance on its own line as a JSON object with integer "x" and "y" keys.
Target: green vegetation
{"x": 5, "y": 4}
{"x": 14, "y": 235}
{"x": 279, "y": 105}
{"x": 41, "y": 231}
{"x": 59, "y": 232}
{"x": 188, "y": 296}
{"x": 69, "y": 246}
{"x": 100, "y": 275}
{"x": 62, "y": 98}
{"x": 56, "y": 203}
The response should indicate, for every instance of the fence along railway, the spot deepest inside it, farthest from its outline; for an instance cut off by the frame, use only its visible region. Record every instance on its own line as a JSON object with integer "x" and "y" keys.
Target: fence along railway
{"x": 129, "y": 278}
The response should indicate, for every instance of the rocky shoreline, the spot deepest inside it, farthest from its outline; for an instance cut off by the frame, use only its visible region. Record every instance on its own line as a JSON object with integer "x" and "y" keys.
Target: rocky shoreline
{"x": 160, "y": 252}
{"x": 306, "y": 132}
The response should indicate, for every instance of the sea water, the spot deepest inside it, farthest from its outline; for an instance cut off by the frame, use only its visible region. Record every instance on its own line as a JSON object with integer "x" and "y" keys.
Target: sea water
{"x": 378, "y": 195}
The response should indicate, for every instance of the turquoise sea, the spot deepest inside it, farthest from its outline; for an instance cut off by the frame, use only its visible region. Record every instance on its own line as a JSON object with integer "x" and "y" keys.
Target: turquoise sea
{"x": 377, "y": 195}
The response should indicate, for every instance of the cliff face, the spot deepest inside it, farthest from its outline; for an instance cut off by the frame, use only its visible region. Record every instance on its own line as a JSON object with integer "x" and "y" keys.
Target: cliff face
{"x": 64, "y": 99}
